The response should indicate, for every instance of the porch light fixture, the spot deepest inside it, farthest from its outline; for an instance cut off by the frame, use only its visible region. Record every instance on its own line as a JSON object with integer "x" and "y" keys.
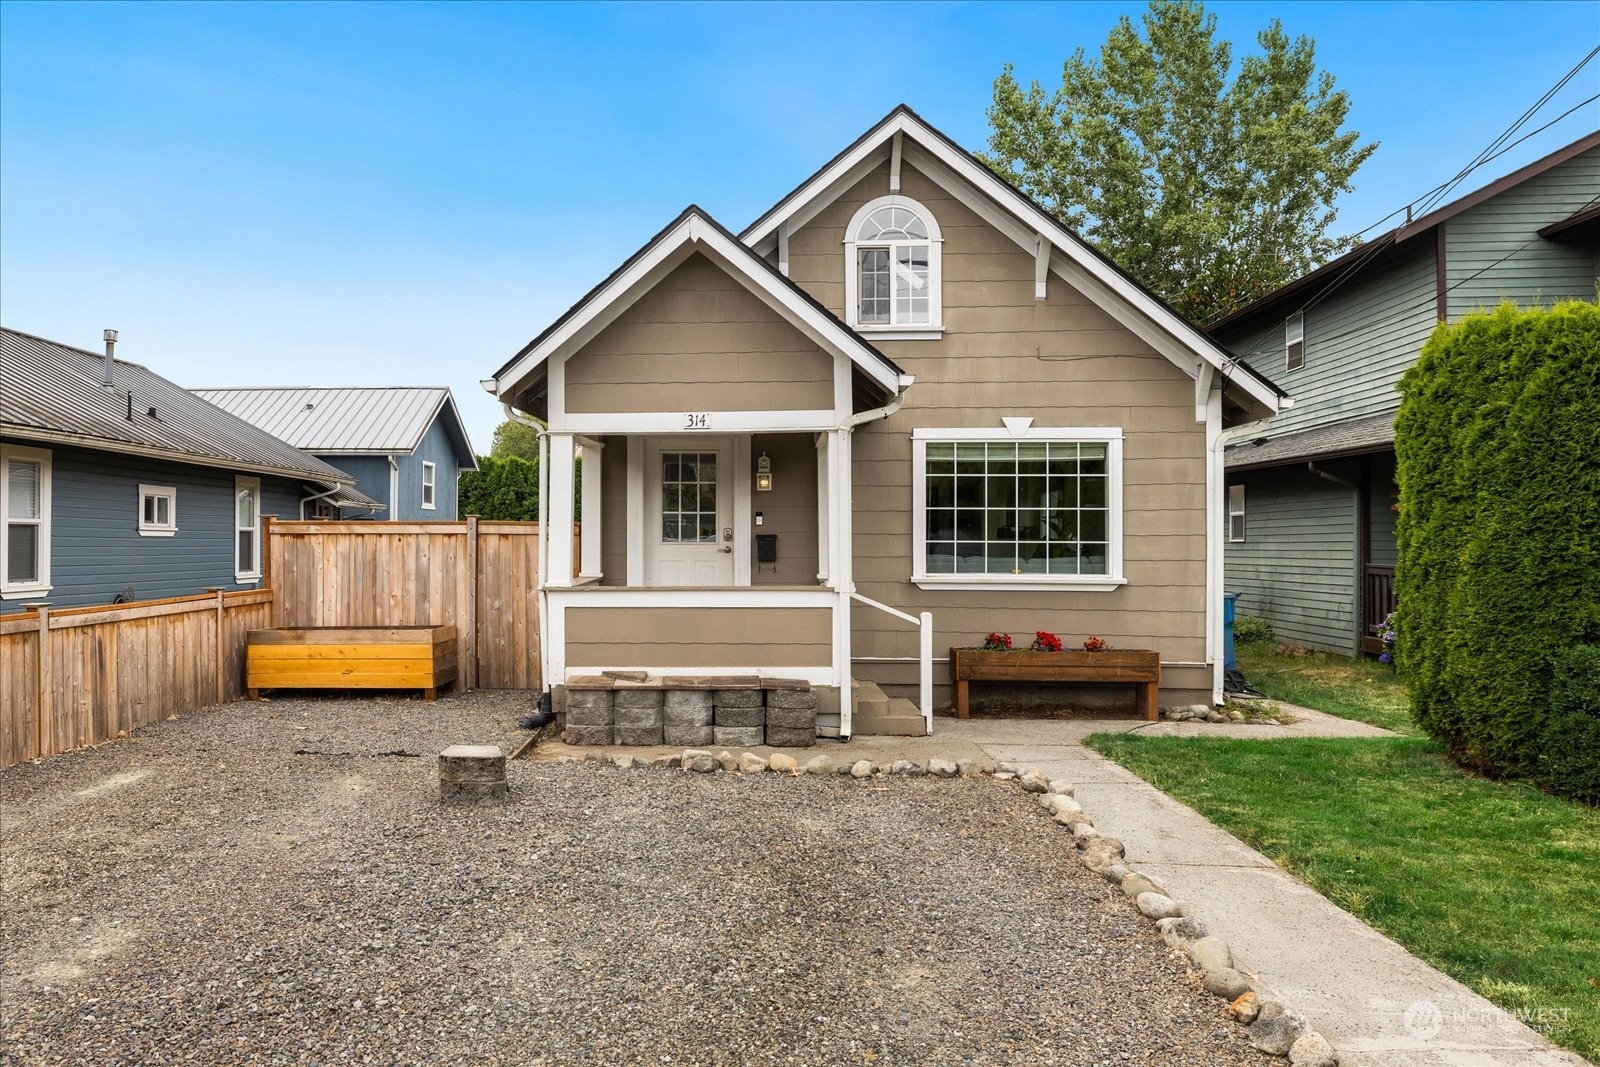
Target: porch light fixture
{"x": 763, "y": 474}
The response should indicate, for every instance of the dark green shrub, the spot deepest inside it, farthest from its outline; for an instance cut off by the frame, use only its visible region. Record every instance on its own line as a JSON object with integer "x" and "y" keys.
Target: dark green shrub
{"x": 1569, "y": 757}
{"x": 1498, "y": 447}
{"x": 505, "y": 489}
{"x": 1251, "y": 630}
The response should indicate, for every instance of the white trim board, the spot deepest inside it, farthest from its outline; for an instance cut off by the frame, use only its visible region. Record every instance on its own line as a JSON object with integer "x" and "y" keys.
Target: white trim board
{"x": 929, "y": 151}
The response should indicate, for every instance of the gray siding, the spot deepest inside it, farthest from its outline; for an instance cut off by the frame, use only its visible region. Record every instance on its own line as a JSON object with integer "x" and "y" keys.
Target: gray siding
{"x": 1381, "y": 514}
{"x": 435, "y": 448}
{"x": 1544, "y": 272}
{"x": 1296, "y": 567}
{"x": 95, "y": 546}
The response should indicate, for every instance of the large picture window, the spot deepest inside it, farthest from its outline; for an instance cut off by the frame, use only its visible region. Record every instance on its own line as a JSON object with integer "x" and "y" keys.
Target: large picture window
{"x": 24, "y": 521}
{"x": 1041, "y": 509}
{"x": 892, "y": 268}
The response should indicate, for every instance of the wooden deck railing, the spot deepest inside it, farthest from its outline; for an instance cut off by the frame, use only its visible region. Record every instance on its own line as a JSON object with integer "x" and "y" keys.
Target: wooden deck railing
{"x": 1377, "y": 601}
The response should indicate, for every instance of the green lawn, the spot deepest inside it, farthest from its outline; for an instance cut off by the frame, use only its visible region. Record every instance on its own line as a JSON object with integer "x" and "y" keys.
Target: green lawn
{"x": 1493, "y": 883}
{"x": 1360, "y": 689}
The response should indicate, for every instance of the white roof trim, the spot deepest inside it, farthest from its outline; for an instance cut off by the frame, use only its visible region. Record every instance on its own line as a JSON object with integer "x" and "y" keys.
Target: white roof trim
{"x": 693, "y": 233}
{"x": 1075, "y": 264}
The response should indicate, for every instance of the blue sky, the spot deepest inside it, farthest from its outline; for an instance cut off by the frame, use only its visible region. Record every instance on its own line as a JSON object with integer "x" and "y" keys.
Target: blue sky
{"x": 373, "y": 194}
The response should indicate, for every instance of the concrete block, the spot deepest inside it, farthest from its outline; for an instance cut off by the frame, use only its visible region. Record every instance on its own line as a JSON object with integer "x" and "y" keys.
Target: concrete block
{"x": 801, "y": 699}
{"x": 739, "y": 736}
{"x": 749, "y": 717}
{"x": 639, "y": 735}
{"x": 688, "y": 736}
{"x": 645, "y": 699}
{"x": 687, "y": 699}
{"x": 634, "y": 716}
{"x": 472, "y": 775}
{"x": 737, "y": 698}
{"x": 587, "y": 735}
{"x": 688, "y": 715}
{"x": 785, "y": 737}
{"x": 792, "y": 718}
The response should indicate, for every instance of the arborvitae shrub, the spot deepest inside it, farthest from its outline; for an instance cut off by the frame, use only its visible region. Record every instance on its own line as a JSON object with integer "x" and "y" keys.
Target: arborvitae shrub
{"x": 1498, "y": 446}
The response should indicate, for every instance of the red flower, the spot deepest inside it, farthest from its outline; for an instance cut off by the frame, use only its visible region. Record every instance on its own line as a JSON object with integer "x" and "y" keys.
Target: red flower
{"x": 1095, "y": 644}
{"x": 997, "y": 643}
{"x": 1045, "y": 642}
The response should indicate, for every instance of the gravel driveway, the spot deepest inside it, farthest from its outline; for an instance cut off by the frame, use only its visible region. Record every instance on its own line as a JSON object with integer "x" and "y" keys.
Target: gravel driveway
{"x": 203, "y": 894}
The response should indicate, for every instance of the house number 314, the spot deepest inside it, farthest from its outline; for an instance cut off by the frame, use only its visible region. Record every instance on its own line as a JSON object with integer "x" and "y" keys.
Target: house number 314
{"x": 697, "y": 420}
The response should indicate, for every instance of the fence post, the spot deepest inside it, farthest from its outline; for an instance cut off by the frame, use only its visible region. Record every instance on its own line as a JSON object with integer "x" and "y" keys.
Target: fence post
{"x": 46, "y": 712}
{"x": 222, "y": 651}
{"x": 468, "y": 633}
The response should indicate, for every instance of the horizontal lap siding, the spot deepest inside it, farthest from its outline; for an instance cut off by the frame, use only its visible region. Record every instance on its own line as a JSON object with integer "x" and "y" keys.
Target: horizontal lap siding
{"x": 1479, "y": 244}
{"x": 788, "y": 510}
{"x": 1062, "y": 361}
{"x": 682, "y": 638}
{"x": 1296, "y": 566}
{"x": 613, "y": 511}
{"x": 96, "y": 549}
{"x": 698, "y": 341}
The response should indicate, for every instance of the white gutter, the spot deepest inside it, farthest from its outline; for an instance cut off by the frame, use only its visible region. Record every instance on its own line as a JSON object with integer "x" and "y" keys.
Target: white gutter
{"x": 318, "y": 496}
{"x": 884, "y": 412}
{"x": 542, "y": 550}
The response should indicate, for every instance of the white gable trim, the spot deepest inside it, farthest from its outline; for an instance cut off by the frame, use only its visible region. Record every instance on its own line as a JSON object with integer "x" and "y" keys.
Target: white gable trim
{"x": 1011, "y": 214}
{"x": 694, "y": 234}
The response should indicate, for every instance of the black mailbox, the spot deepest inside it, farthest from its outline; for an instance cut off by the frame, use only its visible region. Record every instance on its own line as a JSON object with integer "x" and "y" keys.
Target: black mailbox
{"x": 766, "y": 548}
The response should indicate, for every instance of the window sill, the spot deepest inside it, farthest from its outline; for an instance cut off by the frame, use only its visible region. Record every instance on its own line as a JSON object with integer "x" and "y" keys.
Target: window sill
{"x": 899, "y": 333}
{"x": 25, "y": 592}
{"x": 154, "y": 532}
{"x": 246, "y": 579}
{"x": 992, "y": 582}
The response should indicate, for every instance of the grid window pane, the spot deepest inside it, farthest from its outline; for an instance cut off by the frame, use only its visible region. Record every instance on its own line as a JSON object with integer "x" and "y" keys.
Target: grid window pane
{"x": 1031, "y": 507}
{"x": 688, "y": 497}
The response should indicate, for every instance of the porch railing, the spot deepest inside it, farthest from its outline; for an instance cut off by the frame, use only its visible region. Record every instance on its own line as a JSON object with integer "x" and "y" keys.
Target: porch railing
{"x": 1377, "y": 601}
{"x": 924, "y": 623}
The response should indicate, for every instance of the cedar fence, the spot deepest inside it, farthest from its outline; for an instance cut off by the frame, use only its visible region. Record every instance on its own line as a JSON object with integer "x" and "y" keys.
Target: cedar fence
{"x": 80, "y": 676}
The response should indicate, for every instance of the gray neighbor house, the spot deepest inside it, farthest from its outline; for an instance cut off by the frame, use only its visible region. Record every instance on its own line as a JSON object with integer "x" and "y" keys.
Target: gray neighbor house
{"x": 407, "y": 446}
{"x": 1312, "y": 497}
{"x": 117, "y": 484}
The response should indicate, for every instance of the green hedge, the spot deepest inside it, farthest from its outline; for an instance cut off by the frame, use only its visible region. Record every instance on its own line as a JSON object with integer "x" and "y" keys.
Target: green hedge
{"x": 501, "y": 488}
{"x": 1498, "y": 445}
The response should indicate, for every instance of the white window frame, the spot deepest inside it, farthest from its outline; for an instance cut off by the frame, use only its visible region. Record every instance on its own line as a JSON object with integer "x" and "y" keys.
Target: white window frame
{"x": 893, "y": 331}
{"x": 1294, "y": 342}
{"x": 430, "y": 486}
{"x": 158, "y": 529}
{"x": 1236, "y": 511}
{"x": 1110, "y": 436}
{"x": 40, "y": 586}
{"x": 240, "y": 483}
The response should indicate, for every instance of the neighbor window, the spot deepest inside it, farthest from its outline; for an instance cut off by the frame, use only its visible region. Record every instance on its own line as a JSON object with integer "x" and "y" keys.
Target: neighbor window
{"x": 1294, "y": 342}
{"x": 1236, "y": 513}
{"x": 25, "y": 518}
{"x": 247, "y": 528}
{"x": 1041, "y": 509}
{"x": 158, "y": 511}
{"x": 892, "y": 270}
{"x": 428, "y": 484}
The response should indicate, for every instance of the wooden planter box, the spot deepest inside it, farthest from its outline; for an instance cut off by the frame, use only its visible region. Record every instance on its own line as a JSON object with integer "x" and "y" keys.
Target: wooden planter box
{"x": 342, "y": 657}
{"x": 1139, "y": 667}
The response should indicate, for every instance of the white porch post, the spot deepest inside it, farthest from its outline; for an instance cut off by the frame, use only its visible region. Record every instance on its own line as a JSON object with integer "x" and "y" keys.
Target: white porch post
{"x": 560, "y": 543}
{"x": 843, "y": 572}
{"x": 589, "y": 532}
{"x": 824, "y": 519}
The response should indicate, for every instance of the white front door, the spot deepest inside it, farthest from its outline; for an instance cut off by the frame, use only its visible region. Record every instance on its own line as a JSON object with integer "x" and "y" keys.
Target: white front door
{"x": 689, "y": 511}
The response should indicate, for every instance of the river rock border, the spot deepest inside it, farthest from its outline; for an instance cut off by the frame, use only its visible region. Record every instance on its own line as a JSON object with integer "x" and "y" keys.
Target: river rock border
{"x": 1273, "y": 1028}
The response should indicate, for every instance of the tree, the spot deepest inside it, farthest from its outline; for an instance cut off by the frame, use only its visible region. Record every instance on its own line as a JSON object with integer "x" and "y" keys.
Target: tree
{"x": 1209, "y": 192}
{"x": 515, "y": 439}
{"x": 501, "y": 488}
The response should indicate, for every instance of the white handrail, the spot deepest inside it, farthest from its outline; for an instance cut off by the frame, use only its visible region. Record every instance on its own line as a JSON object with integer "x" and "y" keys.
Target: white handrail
{"x": 924, "y": 623}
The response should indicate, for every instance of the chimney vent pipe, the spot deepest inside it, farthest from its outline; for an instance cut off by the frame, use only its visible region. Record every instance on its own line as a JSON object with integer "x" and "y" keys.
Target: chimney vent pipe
{"x": 111, "y": 349}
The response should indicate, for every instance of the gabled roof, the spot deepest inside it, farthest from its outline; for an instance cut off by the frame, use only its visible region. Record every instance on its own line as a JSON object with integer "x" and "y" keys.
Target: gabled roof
{"x": 1017, "y": 215}
{"x": 695, "y": 230}
{"x": 51, "y": 392}
{"x": 347, "y": 422}
{"x": 1381, "y": 245}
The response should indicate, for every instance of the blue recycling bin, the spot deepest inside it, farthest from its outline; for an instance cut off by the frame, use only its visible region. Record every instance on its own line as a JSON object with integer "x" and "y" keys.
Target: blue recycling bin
{"x": 1228, "y": 602}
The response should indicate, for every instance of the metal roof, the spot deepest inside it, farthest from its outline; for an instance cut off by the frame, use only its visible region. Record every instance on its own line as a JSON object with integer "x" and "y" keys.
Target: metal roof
{"x": 343, "y": 421}
{"x": 1354, "y": 437}
{"x": 54, "y": 392}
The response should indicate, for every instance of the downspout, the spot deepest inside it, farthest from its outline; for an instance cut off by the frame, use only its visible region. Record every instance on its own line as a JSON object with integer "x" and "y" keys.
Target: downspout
{"x": 394, "y": 489}
{"x": 541, "y": 549}
{"x": 318, "y": 496}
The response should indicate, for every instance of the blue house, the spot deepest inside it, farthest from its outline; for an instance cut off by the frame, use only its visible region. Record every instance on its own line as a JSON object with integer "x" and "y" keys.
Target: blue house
{"x": 1312, "y": 497}
{"x": 117, "y": 484}
{"x": 406, "y": 446}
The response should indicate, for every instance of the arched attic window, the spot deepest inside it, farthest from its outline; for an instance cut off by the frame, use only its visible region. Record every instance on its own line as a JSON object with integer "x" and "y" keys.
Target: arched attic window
{"x": 892, "y": 275}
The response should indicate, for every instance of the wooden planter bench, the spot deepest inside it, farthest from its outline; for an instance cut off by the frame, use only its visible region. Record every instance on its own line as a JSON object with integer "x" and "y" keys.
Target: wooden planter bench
{"x": 344, "y": 657}
{"x": 1136, "y": 667}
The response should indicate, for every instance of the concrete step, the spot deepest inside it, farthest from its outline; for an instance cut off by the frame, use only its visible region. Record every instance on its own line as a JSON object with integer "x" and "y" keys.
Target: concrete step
{"x": 880, "y": 715}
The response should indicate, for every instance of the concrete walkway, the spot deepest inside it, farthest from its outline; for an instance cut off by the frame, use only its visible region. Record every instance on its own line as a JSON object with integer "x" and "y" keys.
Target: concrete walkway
{"x": 1353, "y": 983}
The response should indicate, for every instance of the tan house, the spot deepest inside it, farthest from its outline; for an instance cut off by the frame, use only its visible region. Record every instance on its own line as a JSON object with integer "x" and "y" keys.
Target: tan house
{"x": 904, "y": 408}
